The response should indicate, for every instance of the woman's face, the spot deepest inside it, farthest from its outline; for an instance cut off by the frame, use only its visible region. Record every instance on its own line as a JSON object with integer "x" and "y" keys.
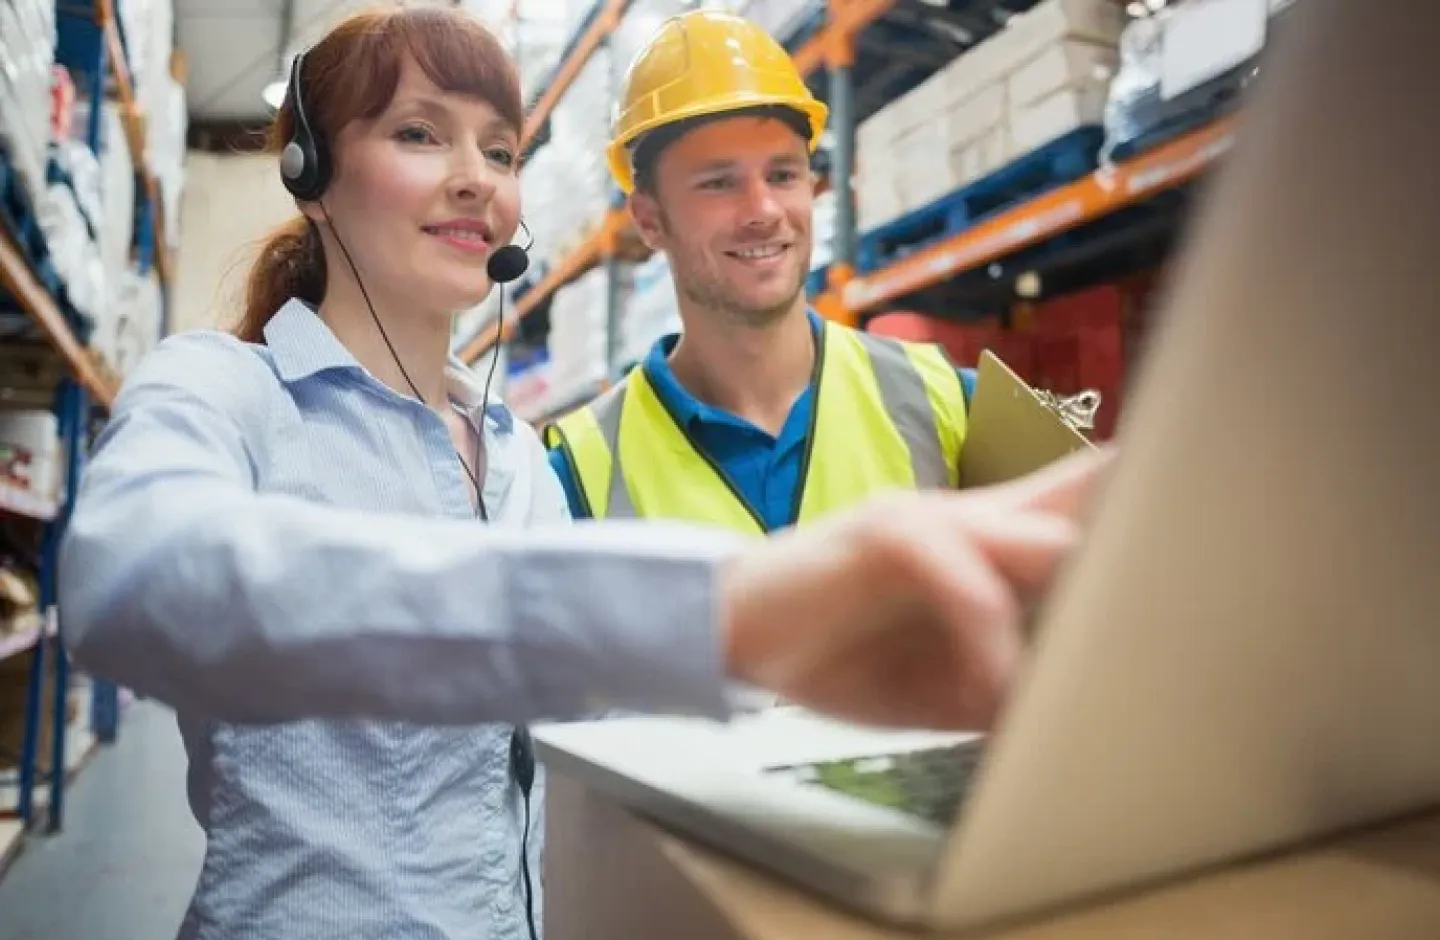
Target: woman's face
{"x": 424, "y": 194}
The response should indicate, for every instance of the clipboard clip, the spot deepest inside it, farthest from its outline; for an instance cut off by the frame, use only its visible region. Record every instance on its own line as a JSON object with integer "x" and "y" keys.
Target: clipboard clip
{"x": 1078, "y": 411}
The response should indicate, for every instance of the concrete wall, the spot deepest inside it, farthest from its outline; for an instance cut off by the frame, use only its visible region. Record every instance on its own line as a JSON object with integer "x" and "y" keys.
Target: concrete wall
{"x": 231, "y": 201}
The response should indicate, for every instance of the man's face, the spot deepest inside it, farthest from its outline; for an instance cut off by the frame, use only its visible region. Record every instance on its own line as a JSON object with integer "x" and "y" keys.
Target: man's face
{"x": 732, "y": 208}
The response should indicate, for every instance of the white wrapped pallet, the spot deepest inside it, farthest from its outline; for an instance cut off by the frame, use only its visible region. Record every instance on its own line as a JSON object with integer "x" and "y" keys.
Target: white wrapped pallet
{"x": 579, "y": 331}
{"x": 167, "y": 129}
{"x": 78, "y": 162}
{"x": 27, "y": 52}
{"x": 568, "y": 179}
{"x": 137, "y": 319}
{"x": 74, "y": 254}
{"x": 650, "y": 312}
{"x": 536, "y": 35}
{"x": 117, "y": 172}
{"x": 30, "y": 445}
{"x": 149, "y": 28}
{"x": 1045, "y": 74}
{"x": 825, "y": 217}
{"x": 637, "y": 27}
{"x": 1185, "y": 61}
{"x": 780, "y": 18}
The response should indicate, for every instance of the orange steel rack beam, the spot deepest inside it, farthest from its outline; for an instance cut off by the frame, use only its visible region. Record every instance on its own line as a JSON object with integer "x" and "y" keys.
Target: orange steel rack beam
{"x": 596, "y": 246}
{"x": 1102, "y": 192}
{"x": 134, "y": 119}
{"x": 19, "y": 280}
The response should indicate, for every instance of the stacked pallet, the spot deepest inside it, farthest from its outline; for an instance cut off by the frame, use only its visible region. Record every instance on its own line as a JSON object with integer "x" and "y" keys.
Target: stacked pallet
{"x": 1042, "y": 76}
{"x": 580, "y": 328}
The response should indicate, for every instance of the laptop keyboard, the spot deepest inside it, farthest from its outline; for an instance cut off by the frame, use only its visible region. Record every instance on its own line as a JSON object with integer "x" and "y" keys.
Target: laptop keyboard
{"x": 929, "y": 783}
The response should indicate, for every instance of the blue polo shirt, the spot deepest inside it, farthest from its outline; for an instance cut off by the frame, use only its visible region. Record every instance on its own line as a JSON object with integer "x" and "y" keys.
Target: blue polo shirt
{"x": 763, "y": 468}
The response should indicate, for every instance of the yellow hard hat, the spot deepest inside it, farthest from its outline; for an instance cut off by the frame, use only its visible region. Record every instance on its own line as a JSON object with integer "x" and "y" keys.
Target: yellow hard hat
{"x": 701, "y": 63}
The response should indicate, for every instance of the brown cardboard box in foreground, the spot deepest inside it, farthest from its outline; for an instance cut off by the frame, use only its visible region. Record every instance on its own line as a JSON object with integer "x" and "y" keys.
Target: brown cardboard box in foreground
{"x": 613, "y": 875}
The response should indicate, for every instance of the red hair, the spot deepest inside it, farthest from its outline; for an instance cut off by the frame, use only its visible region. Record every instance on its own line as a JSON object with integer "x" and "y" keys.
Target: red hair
{"x": 351, "y": 75}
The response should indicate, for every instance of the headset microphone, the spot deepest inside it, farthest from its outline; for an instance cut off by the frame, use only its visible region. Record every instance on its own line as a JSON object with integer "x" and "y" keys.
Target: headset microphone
{"x": 509, "y": 262}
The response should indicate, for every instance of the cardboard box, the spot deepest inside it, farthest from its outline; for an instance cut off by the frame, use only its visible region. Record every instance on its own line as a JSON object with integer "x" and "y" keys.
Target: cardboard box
{"x": 974, "y": 117}
{"x": 1071, "y": 63}
{"x": 1040, "y": 122}
{"x": 877, "y": 202}
{"x": 1028, "y": 34}
{"x": 981, "y": 157}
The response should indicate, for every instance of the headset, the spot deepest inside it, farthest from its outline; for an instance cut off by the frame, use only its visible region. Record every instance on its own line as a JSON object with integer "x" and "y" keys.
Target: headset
{"x": 305, "y": 169}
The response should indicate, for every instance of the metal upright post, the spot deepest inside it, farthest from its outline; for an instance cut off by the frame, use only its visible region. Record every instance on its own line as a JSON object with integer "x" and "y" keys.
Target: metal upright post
{"x": 95, "y": 128}
{"x": 104, "y": 697}
{"x": 842, "y": 122}
{"x": 35, "y": 694}
{"x": 144, "y": 232}
{"x": 164, "y": 310}
{"x": 34, "y": 704}
{"x": 74, "y": 408}
{"x": 613, "y": 312}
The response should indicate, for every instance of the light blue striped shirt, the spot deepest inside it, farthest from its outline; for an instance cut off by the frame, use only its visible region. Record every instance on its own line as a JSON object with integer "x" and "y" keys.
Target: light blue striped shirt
{"x": 284, "y": 550}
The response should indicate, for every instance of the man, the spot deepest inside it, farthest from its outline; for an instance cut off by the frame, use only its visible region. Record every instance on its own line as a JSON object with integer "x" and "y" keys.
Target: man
{"x": 761, "y": 415}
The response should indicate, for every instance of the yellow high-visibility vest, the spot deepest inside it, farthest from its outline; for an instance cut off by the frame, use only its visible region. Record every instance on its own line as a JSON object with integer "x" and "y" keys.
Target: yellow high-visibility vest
{"x": 888, "y": 415}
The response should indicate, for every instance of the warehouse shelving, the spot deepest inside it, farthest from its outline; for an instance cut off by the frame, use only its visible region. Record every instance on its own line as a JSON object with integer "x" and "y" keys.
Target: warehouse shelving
{"x": 848, "y": 52}
{"x": 19, "y": 281}
{"x": 832, "y": 46}
{"x": 603, "y": 20}
{"x": 151, "y": 223}
{"x": 594, "y": 248}
{"x": 91, "y": 45}
{"x": 1104, "y": 191}
{"x": 827, "y": 53}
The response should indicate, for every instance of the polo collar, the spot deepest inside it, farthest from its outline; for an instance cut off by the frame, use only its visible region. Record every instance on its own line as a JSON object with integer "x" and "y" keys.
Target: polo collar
{"x": 685, "y": 408}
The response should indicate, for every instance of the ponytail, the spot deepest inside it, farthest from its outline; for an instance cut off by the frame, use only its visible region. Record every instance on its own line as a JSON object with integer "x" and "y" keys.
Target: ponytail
{"x": 291, "y": 264}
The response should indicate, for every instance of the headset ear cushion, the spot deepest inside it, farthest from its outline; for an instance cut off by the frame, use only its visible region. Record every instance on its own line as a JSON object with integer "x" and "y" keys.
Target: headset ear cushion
{"x": 292, "y": 163}
{"x": 303, "y": 171}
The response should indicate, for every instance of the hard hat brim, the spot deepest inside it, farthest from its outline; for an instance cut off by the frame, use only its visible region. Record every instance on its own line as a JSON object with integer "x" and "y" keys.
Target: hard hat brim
{"x": 618, "y": 153}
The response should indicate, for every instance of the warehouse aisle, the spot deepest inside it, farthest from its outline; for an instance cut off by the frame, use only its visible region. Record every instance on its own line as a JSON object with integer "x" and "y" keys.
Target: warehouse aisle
{"x": 125, "y": 865}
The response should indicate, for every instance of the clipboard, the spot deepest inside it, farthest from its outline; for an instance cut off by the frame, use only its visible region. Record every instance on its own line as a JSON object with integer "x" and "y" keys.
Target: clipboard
{"x": 1014, "y": 429}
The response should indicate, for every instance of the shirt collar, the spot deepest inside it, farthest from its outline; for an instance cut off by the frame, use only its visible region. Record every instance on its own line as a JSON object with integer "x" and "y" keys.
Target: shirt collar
{"x": 684, "y": 407}
{"x": 468, "y": 391}
{"x": 302, "y": 346}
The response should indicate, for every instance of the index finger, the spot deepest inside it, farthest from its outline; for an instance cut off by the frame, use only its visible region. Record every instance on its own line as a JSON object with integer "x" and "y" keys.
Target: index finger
{"x": 1065, "y": 487}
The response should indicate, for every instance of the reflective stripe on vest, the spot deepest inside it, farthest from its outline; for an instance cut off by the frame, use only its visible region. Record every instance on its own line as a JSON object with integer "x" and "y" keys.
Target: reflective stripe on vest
{"x": 887, "y": 415}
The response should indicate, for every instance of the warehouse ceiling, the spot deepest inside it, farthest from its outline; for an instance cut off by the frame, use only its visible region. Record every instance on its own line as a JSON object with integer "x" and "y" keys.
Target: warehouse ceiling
{"x": 234, "y": 48}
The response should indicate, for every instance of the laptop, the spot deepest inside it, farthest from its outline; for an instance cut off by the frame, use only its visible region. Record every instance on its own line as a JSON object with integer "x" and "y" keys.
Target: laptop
{"x": 1245, "y": 655}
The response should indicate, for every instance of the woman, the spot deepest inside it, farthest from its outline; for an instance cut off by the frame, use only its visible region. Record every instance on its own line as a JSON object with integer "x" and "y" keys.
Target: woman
{"x": 278, "y": 537}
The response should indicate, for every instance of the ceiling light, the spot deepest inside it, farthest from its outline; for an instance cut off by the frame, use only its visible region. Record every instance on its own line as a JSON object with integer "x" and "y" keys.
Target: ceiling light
{"x": 274, "y": 93}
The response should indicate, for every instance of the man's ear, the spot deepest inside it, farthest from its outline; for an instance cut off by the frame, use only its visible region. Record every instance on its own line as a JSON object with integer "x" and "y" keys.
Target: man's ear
{"x": 645, "y": 210}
